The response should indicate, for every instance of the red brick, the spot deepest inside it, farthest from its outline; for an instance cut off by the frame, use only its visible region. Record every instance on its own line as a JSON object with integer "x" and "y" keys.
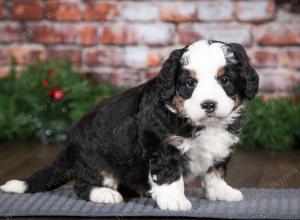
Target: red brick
{"x": 72, "y": 54}
{"x": 140, "y": 11}
{"x": 215, "y": 10}
{"x": 2, "y": 8}
{"x": 264, "y": 57}
{"x": 4, "y": 71}
{"x": 178, "y": 12}
{"x": 52, "y": 33}
{"x": 27, "y": 53}
{"x": 98, "y": 57}
{"x": 87, "y": 35}
{"x": 141, "y": 57}
{"x": 148, "y": 31}
{"x": 10, "y": 32}
{"x": 291, "y": 58}
{"x": 278, "y": 80}
{"x": 278, "y": 35}
{"x": 150, "y": 74}
{"x": 63, "y": 11}
{"x": 154, "y": 59}
{"x": 27, "y": 10}
{"x": 190, "y": 33}
{"x": 100, "y": 11}
{"x": 118, "y": 34}
{"x": 255, "y": 11}
{"x": 138, "y": 33}
{"x": 123, "y": 77}
{"x": 3, "y": 57}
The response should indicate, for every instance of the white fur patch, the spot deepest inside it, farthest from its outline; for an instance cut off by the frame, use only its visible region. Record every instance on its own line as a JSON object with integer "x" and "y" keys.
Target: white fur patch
{"x": 105, "y": 195}
{"x": 216, "y": 189}
{"x": 14, "y": 186}
{"x": 211, "y": 145}
{"x": 205, "y": 60}
{"x": 170, "y": 196}
{"x": 171, "y": 108}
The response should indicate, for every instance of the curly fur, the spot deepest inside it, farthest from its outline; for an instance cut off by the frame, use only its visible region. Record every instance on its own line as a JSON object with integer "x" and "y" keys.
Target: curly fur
{"x": 125, "y": 138}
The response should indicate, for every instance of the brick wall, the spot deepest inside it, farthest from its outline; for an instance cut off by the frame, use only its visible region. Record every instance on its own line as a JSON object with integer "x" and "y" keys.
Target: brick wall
{"x": 125, "y": 42}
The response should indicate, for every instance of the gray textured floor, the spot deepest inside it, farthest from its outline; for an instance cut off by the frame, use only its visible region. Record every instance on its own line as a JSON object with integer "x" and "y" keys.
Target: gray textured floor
{"x": 258, "y": 204}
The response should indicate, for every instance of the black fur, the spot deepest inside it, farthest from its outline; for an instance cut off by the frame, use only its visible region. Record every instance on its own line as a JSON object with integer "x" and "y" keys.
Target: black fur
{"x": 169, "y": 74}
{"x": 124, "y": 136}
{"x": 247, "y": 79}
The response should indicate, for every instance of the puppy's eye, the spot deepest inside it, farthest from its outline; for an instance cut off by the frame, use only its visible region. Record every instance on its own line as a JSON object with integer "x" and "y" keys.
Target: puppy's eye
{"x": 191, "y": 83}
{"x": 224, "y": 81}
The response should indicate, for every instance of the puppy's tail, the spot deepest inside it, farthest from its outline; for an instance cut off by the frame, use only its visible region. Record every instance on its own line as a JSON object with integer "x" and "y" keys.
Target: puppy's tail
{"x": 49, "y": 178}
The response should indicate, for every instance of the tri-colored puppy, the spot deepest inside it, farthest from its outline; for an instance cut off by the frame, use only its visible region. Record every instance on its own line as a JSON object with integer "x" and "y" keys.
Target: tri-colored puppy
{"x": 158, "y": 135}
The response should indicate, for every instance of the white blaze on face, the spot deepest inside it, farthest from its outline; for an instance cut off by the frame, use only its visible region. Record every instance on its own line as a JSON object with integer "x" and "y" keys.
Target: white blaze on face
{"x": 205, "y": 60}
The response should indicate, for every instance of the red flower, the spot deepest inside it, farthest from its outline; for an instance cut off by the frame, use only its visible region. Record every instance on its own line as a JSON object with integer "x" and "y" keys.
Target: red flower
{"x": 57, "y": 94}
{"x": 52, "y": 73}
{"x": 45, "y": 83}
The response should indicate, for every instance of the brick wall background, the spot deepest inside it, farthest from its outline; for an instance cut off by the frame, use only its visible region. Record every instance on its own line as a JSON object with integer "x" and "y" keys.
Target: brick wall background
{"x": 125, "y": 42}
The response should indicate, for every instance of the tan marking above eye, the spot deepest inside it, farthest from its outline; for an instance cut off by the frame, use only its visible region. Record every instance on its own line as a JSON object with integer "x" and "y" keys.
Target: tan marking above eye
{"x": 193, "y": 74}
{"x": 220, "y": 71}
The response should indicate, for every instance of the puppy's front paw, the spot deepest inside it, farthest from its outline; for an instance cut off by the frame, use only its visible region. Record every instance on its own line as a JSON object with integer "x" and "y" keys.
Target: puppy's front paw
{"x": 173, "y": 202}
{"x": 225, "y": 193}
{"x": 170, "y": 196}
{"x": 105, "y": 195}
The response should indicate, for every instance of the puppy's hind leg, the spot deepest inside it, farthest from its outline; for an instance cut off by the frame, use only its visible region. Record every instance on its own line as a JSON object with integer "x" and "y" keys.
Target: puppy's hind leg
{"x": 97, "y": 187}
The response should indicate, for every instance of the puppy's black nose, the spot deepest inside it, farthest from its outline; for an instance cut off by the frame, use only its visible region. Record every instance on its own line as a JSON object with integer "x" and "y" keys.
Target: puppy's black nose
{"x": 209, "y": 106}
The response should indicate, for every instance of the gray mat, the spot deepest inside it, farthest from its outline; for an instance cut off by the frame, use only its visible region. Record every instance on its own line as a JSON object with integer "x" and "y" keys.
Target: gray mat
{"x": 258, "y": 204}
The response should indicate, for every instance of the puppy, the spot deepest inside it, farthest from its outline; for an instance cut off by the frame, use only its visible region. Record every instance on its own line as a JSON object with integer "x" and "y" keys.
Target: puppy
{"x": 158, "y": 135}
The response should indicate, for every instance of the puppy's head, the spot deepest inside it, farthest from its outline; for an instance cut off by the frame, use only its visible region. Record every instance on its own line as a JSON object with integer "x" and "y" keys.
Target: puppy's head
{"x": 207, "y": 81}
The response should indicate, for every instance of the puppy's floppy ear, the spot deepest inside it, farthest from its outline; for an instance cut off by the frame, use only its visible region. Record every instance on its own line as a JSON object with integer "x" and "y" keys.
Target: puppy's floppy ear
{"x": 249, "y": 77}
{"x": 168, "y": 74}
{"x": 252, "y": 82}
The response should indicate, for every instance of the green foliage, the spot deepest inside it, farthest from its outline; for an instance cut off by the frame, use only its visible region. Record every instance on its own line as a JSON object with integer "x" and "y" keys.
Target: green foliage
{"x": 296, "y": 90}
{"x": 273, "y": 124}
{"x": 29, "y": 110}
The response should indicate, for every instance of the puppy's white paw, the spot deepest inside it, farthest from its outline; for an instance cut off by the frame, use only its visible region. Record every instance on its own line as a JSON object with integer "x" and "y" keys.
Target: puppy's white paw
{"x": 170, "y": 196}
{"x": 14, "y": 186}
{"x": 225, "y": 193}
{"x": 105, "y": 195}
{"x": 173, "y": 202}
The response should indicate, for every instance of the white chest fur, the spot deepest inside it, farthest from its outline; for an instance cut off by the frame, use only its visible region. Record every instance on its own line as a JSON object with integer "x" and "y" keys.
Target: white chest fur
{"x": 211, "y": 145}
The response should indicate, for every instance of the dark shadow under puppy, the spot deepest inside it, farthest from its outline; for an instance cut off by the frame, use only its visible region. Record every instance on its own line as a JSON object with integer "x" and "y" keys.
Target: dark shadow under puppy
{"x": 152, "y": 138}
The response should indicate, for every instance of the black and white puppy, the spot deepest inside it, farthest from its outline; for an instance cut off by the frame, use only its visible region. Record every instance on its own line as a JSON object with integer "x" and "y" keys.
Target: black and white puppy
{"x": 158, "y": 135}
